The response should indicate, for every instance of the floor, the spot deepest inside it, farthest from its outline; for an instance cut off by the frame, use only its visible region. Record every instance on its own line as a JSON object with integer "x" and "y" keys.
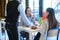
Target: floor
{"x": 48, "y": 38}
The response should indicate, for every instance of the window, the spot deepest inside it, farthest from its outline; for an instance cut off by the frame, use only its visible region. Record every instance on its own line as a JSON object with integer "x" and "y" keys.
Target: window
{"x": 46, "y": 4}
{"x": 57, "y": 8}
{"x": 34, "y": 5}
{"x": 50, "y": 3}
{"x": 54, "y": 4}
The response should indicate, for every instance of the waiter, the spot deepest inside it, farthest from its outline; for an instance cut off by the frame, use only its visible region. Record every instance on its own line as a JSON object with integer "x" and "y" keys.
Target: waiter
{"x": 11, "y": 19}
{"x": 14, "y": 10}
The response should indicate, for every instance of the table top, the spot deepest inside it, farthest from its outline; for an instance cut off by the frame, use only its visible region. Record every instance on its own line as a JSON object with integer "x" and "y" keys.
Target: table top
{"x": 28, "y": 29}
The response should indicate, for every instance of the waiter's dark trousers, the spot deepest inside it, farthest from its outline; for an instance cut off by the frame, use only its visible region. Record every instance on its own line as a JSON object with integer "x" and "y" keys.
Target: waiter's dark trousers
{"x": 12, "y": 31}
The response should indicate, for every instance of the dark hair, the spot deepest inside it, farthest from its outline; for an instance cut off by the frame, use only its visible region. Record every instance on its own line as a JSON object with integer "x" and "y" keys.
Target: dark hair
{"x": 51, "y": 18}
{"x": 26, "y": 10}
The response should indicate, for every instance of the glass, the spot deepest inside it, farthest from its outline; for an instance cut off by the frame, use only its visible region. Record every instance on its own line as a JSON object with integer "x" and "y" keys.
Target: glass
{"x": 40, "y": 21}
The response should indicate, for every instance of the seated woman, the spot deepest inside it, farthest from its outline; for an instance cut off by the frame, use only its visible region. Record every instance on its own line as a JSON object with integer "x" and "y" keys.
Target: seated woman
{"x": 31, "y": 19}
{"x": 29, "y": 15}
{"x": 51, "y": 20}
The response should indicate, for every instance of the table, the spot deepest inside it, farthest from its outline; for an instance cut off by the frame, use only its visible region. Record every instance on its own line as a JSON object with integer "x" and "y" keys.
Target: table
{"x": 29, "y": 30}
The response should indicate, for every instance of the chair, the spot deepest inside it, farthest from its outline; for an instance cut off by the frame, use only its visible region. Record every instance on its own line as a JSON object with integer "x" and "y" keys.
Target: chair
{"x": 57, "y": 33}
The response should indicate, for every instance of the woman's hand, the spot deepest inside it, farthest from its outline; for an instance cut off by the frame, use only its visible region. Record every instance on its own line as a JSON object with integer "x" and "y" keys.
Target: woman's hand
{"x": 33, "y": 27}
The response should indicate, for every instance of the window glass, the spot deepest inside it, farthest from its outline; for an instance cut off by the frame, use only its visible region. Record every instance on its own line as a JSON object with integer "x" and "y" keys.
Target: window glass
{"x": 34, "y": 5}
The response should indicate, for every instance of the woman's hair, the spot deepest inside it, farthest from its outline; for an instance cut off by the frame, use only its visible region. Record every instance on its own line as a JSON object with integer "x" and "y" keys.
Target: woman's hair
{"x": 26, "y": 9}
{"x": 51, "y": 18}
